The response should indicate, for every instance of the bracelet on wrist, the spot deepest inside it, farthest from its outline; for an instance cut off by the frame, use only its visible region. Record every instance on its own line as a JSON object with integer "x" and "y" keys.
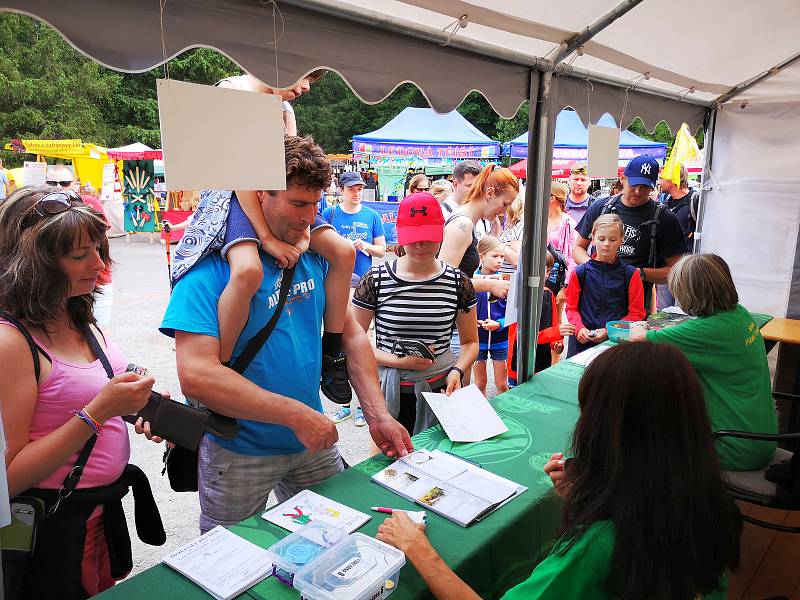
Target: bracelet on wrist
{"x": 455, "y": 368}
{"x": 95, "y": 425}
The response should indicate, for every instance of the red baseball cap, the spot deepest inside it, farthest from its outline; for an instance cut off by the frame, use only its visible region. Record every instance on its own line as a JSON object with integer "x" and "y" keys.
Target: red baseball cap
{"x": 419, "y": 219}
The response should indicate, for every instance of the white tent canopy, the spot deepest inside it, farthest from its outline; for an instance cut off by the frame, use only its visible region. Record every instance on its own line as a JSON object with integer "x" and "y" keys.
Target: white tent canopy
{"x": 733, "y": 63}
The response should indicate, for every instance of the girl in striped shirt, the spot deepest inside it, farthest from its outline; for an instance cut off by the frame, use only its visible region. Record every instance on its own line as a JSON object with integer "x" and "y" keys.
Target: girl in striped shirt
{"x": 416, "y": 302}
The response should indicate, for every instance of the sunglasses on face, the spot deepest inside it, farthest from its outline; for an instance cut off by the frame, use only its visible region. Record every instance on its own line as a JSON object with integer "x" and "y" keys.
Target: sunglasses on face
{"x": 59, "y": 183}
{"x": 56, "y": 202}
{"x": 423, "y": 189}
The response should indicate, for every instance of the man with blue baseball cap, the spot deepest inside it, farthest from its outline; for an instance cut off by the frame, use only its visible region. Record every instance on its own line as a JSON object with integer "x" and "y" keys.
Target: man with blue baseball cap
{"x": 653, "y": 239}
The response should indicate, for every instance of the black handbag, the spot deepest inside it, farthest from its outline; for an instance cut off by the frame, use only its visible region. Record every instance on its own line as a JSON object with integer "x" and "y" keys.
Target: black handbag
{"x": 180, "y": 462}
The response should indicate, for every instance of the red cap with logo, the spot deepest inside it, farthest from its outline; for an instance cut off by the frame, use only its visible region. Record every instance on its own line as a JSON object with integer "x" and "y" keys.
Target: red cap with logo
{"x": 419, "y": 219}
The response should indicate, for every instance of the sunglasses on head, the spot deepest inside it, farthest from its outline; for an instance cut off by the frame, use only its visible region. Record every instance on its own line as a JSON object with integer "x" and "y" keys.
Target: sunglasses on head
{"x": 56, "y": 202}
{"x": 579, "y": 171}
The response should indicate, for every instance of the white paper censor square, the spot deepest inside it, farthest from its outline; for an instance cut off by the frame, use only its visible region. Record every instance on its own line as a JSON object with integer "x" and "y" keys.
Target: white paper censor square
{"x": 220, "y": 139}
{"x": 603, "y": 151}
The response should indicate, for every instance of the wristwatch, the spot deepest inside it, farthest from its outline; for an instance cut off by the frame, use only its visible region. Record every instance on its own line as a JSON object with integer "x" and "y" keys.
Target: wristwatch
{"x": 642, "y": 274}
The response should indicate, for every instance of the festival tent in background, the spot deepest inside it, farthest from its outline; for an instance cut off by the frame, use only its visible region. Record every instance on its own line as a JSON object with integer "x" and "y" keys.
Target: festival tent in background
{"x": 87, "y": 159}
{"x": 572, "y": 139}
{"x": 421, "y": 137}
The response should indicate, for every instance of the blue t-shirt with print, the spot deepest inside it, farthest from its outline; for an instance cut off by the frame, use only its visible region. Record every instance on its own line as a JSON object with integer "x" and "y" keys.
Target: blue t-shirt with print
{"x": 288, "y": 364}
{"x": 364, "y": 225}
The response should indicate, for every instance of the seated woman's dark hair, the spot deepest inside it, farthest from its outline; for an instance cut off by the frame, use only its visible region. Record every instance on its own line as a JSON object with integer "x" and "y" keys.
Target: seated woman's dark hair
{"x": 33, "y": 287}
{"x": 644, "y": 459}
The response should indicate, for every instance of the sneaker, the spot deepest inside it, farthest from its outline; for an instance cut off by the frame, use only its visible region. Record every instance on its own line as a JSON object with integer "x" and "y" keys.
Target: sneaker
{"x": 335, "y": 385}
{"x": 342, "y": 414}
{"x": 359, "y": 419}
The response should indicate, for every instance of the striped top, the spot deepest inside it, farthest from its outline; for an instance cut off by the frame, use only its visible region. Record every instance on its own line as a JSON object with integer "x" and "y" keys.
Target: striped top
{"x": 414, "y": 310}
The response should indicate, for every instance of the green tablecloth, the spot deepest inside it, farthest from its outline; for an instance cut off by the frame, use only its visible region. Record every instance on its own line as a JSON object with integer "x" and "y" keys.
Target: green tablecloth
{"x": 491, "y": 555}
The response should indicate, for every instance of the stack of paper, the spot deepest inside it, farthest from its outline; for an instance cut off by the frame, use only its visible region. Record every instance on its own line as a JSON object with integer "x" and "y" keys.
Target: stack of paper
{"x": 221, "y": 563}
{"x": 308, "y": 506}
{"x": 466, "y": 415}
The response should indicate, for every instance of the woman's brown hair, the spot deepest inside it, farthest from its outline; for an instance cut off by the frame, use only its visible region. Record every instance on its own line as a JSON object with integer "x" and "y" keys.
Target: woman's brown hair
{"x": 644, "y": 459}
{"x": 33, "y": 287}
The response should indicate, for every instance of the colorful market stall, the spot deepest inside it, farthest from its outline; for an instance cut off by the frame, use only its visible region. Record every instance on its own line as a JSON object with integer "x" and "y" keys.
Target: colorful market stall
{"x": 87, "y": 158}
{"x": 572, "y": 140}
{"x": 136, "y": 169}
{"x": 420, "y": 137}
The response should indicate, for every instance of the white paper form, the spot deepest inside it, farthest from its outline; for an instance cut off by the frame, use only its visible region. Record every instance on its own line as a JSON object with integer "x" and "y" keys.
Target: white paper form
{"x": 587, "y": 356}
{"x": 308, "y": 506}
{"x": 466, "y": 415}
{"x": 221, "y": 562}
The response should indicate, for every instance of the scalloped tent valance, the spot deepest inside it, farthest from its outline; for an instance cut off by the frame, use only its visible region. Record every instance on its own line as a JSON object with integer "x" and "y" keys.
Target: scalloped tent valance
{"x": 126, "y": 35}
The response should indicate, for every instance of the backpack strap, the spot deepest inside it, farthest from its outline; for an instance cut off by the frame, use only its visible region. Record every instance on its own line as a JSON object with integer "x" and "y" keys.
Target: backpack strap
{"x": 35, "y": 348}
{"x": 610, "y": 205}
{"x": 694, "y": 205}
{"x": 653, "y": 223}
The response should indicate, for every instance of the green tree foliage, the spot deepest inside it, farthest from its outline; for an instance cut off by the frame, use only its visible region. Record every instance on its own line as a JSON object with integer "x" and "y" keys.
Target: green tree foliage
{"x": 48, "y": 90}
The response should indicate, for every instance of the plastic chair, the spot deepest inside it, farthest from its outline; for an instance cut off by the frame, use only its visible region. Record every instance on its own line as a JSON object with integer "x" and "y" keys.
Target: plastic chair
{"x": 752, "y": 486}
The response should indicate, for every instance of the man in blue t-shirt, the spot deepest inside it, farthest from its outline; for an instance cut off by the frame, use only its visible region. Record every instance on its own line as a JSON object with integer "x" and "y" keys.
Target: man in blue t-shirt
{"x": 357, "y": 223}
{"x": 284, "y": 443}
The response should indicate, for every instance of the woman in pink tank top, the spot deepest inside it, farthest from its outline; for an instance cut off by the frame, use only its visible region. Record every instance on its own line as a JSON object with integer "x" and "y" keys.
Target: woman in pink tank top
{"x": 53, "y": 248}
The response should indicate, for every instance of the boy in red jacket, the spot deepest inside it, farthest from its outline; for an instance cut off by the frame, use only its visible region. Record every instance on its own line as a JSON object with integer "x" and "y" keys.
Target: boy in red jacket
{"x": 602, "y": 289}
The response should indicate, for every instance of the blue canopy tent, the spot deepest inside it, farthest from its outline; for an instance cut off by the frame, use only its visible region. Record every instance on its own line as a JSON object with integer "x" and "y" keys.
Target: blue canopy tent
{"x": 572, "y": 139}
{"x": 421, "y": 137}
{"x": 422, "y": 133}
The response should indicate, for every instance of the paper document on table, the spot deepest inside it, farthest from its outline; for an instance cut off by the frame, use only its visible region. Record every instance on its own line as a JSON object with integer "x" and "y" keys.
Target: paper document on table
{"x": 448, "y": 485}
{"x": 674, "y": 310}
{"x": 308, "y": 506}
{"x": 587, "y": 356}
{"x": 221, "y": 562}
{"x": 466, "y": 415}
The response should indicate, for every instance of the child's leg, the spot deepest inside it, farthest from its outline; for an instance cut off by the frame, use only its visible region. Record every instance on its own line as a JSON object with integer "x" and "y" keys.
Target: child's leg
{"x": 479, "y": 372}
{"x": 341, "y": 256}
{"x": 234, "y": 303}
{"x": 500, "y": 375}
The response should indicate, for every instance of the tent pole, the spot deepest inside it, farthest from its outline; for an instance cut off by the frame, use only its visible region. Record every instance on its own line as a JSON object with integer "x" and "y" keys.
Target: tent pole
{"x": 739, "y": 89}
{"x": 708, "y": 145}
{"x": 541, "y": 128}
{"x": 579, "y": 39}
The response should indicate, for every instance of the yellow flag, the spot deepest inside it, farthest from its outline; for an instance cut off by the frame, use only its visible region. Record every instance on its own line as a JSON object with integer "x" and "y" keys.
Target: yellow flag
{"x": 684, "y": 150}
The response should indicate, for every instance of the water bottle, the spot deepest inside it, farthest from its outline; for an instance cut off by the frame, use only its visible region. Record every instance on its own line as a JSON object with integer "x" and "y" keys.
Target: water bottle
{"x": 554, "y": 273}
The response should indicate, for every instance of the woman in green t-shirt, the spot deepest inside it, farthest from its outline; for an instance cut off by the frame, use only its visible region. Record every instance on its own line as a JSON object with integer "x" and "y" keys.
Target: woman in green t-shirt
{"x": 646, "y": 514}
{"x": 725, "y": 347}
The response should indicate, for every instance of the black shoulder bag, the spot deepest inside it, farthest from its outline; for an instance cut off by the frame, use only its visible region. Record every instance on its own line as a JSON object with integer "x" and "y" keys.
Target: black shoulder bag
{"x": 180, "y": 463}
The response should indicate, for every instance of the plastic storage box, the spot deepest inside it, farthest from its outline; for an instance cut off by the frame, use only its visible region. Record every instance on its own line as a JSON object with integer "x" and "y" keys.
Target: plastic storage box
{"x": 358, "y": 568}
{"x": 297, "y": 550}
{"x": 618, "y": 331}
